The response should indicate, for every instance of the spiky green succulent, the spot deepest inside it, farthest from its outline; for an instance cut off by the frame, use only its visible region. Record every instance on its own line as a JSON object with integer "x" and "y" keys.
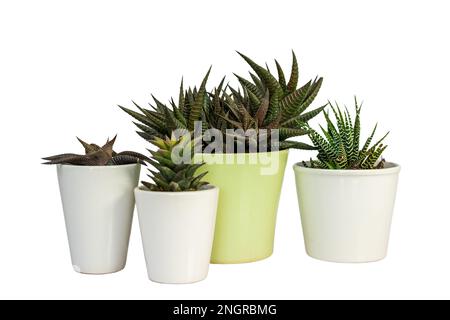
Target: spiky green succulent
{"x": 265, "y": 102}
{"x": 161, "y": 120}
{"x": 97, "y": 156}
{"x": 339, "y": 146}
{"x": 172, "y": 174}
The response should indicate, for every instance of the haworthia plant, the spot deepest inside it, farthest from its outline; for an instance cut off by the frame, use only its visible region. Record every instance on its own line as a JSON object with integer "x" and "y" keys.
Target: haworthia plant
{"x": 97, "y": 156}
{"x": 160, "y": 120}
{"x": 170, "y": 175}
{"x": 266, "y": 102}
{"x": 339, "y": 144}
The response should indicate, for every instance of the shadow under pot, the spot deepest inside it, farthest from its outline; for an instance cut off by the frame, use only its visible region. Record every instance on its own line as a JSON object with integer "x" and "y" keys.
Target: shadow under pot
{"x": 177, "y": 230}
{"x": 346, "y": 214}
{"x": 98, "y": 204}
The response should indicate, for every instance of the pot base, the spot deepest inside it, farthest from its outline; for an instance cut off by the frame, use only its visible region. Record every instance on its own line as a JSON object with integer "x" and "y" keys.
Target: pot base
{"x": 342, "y": 261}
{"x": 178, "y": 282}
{"x": 78, "y": 270}
{"x": 219, "y": 261}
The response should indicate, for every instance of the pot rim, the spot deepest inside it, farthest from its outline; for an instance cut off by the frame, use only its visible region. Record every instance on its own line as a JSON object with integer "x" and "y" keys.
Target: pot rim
{"x": 391, "y": 168}
{"x": 98, "y": 167}
{"x": 140, "y": 190}
{"x": 240, "y": 154}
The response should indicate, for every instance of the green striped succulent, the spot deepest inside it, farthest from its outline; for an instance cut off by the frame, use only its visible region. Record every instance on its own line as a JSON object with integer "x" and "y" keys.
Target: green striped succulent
{"x": 97, "y": 156}
{"x": 267, "y": 102}
{"x": 160, "y": 120}
{"x": 171, "y": 175}
{"x": 264, "y": 102}
{"x": 339, "y": 147}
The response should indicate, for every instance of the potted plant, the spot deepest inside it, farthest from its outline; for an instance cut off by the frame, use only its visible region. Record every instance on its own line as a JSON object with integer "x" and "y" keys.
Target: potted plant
{"x": 346, "y": 196}
{"x": 248, "y": 170}
{"x": 177, "y": 214}
{"x": 97, "y": 197}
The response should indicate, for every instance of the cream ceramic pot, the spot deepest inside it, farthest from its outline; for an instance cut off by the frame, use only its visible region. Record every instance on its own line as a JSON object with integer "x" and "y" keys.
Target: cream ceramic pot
{"x": 98, "y": 203}
{"x": 177, "y": 230}
{"x": 346, "y": 214}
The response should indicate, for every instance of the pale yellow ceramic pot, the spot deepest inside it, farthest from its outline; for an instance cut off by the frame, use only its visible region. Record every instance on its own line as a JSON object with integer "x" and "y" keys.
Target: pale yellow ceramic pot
{"x": 250, "y": 186}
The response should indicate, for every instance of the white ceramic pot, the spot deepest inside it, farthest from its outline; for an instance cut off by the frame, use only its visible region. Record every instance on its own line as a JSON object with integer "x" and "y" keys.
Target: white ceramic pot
{"x": 177, "y": 230}
{"x": 98, "y": 203}
{"x": 346, "y": 214}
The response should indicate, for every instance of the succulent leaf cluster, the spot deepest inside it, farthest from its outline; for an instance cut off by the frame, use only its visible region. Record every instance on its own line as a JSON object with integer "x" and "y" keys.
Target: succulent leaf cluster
{"x": 339, "y": 145}
{"x": 267, "y": 102}
{"x": 170, "y": 175}
{"x": 159, "y": 121}
{"x": 97, "y": 156}
{"x": 262, "y": 102}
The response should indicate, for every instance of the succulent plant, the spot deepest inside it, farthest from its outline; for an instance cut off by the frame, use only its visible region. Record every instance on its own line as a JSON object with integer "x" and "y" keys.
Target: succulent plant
{"x": 173, "y": 175}
{"x": 160, "y": 121}
{"x": 339, "y": 147}
{"x": 266, "y": 102}
{"x": 97, "y": 156}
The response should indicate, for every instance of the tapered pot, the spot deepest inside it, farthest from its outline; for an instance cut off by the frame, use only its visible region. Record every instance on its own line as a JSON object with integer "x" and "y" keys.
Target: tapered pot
{"x": 346, "y": 214}
{"x": 98, "y": 203}
{"x": 177, "y": 230}
{"x": 250, "y": 186}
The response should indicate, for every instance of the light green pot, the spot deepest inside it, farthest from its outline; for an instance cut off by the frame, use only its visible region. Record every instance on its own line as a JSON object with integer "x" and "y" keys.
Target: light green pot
{"x": 250, "y": 186}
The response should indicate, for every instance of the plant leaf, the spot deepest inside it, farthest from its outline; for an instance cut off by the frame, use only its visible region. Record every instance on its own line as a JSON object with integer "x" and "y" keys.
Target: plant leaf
{"x": 281, "y": 78}
{"x": 196, "y": 108}
{"x": 292, "y": 84}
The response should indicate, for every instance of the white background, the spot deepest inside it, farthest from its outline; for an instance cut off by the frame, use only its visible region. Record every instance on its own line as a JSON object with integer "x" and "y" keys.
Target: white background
{"x": 65, "y": 65}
